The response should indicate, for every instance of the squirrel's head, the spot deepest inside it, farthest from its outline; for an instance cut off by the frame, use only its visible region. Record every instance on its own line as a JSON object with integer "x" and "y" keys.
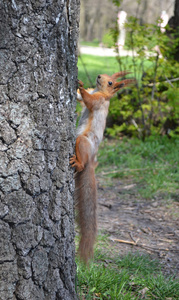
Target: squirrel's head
{"x": 108, "y": 84}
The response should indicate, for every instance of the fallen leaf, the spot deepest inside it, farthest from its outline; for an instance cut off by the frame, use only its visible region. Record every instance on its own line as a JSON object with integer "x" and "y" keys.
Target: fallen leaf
{"x": 128, "y": 187}
{"x": 143, "y": 292}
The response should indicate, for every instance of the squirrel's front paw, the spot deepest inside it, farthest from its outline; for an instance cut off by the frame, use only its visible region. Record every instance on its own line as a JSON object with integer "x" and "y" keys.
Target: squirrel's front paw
{"x": 80, "y": 83}
{"x": 73, "y": 160}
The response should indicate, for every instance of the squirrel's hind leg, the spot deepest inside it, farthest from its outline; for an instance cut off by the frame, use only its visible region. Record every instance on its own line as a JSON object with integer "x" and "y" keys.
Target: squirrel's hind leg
{"x": 83, "y": 153}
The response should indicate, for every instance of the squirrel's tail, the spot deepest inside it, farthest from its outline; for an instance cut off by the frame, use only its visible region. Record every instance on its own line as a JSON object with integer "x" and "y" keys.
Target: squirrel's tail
{"x": 85, "y": 200}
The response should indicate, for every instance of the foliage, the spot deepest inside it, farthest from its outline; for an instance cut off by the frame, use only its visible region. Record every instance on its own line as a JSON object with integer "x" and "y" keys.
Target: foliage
{"x": 151, "y": 107}
{"x": 152, "y": 165}
{"x": 107, "y": 40}
{"x": 129, "y": 277}
{"x": 117, "y": 2}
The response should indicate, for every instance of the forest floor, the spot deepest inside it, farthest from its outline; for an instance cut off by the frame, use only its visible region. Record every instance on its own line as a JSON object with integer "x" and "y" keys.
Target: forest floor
{"x": 134, "y": 224}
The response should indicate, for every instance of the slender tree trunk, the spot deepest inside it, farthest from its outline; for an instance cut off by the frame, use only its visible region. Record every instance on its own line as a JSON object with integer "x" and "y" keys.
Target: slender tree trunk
{"x": 90, "y": 29}
{"x": 174, "y": 23}
{"x": 83, "y": 21}
{"x": 176, "y": 26}
{"x": 176, "y": 12}
{"x": 38, "y": 77}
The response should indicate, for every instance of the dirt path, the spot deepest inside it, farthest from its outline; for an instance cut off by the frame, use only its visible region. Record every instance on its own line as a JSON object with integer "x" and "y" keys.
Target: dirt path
{"x": 150, "y": 226}
{"x": 102, "y": 51}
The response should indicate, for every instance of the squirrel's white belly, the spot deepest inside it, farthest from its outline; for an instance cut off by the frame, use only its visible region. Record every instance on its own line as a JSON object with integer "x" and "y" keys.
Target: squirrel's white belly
{"x": 98, "y": 124}
{"x": 94, "y": 132}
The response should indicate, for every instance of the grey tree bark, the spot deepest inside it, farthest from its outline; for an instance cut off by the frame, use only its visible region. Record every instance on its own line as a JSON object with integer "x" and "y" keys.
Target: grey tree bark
{"x": 38, "y": 78}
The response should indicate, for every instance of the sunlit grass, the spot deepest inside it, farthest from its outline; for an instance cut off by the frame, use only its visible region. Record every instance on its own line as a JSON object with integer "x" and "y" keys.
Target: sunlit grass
{"x": 100, "y": 65}
{"x": 133, "y": 276}
{"x": 94, "y": 43}
{"x": 153, "y": 165}
{"x": 95, "y": 65}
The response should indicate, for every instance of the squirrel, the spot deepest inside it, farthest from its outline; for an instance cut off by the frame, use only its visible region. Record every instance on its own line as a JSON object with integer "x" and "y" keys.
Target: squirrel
{"x": 90, "y": 131}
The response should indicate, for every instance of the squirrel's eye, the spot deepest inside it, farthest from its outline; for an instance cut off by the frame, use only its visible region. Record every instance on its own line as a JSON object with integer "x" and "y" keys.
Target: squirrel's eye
{"x": 110, "y": 82}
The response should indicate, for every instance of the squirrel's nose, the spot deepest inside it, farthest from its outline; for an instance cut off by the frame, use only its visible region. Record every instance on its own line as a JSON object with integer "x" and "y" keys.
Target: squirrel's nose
{"x": 99, "y": 76}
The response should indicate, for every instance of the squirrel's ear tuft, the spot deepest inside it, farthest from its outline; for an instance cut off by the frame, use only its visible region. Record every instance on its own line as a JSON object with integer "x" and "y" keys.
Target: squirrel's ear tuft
{"x": 119, "y": 85}
{"x": 120, "y": 74}
{"x": 123, "y": 83}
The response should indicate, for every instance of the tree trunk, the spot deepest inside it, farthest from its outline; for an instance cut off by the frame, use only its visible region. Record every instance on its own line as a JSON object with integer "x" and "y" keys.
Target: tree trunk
{"x": 176, "y": 13}
{"x": 83, "y": 21}
{"x": 174, "y": 24}
{"x": 38, "y": 78}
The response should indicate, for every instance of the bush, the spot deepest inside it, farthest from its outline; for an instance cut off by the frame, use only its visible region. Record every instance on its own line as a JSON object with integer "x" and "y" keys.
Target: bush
{"x": 151, "y": 107}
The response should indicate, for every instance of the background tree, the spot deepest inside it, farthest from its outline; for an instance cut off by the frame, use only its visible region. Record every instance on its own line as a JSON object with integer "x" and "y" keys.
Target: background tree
{"x": 174, "y": 23}
{"x": 38, "y": 77}
{"x": 95, "y": 18}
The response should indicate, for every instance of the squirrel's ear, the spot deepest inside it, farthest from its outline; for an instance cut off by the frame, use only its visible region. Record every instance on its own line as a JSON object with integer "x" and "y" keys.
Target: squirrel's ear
{"x": 123, "y": 83}
{"x": 120, "y": 74}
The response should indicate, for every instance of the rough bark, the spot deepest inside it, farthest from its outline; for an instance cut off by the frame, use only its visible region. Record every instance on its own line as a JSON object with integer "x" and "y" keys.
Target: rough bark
{"x": 38, "y": 78}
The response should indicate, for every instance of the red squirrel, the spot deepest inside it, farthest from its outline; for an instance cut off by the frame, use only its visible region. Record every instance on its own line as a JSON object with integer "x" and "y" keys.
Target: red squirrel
{"x": 89, "y": 136}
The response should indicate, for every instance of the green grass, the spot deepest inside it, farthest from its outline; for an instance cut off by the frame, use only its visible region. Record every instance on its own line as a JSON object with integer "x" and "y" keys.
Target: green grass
{"x": 105, "y": 65}
{"x": 153, "y": 165}
{"x": 94, "y": 43}
{"x": 133, "y": 276}
{"x": 95, "y": 65}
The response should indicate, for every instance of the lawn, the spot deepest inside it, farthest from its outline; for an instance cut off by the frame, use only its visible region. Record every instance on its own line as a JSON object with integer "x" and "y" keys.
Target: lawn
{"x": 95, "y": 65}
{"x": 106, "y": 65}
{"x": 153, "y": 165}
{"x": 128, "y": 277}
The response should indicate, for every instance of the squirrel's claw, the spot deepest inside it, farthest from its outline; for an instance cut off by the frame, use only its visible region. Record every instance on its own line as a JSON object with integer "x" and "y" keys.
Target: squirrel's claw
{"x": 73, "y": 159}
{"x": 80, "y": 83}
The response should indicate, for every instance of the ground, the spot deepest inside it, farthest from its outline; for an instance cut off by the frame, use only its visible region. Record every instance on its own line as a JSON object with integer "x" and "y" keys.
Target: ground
{"x": 135, "y": 224}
